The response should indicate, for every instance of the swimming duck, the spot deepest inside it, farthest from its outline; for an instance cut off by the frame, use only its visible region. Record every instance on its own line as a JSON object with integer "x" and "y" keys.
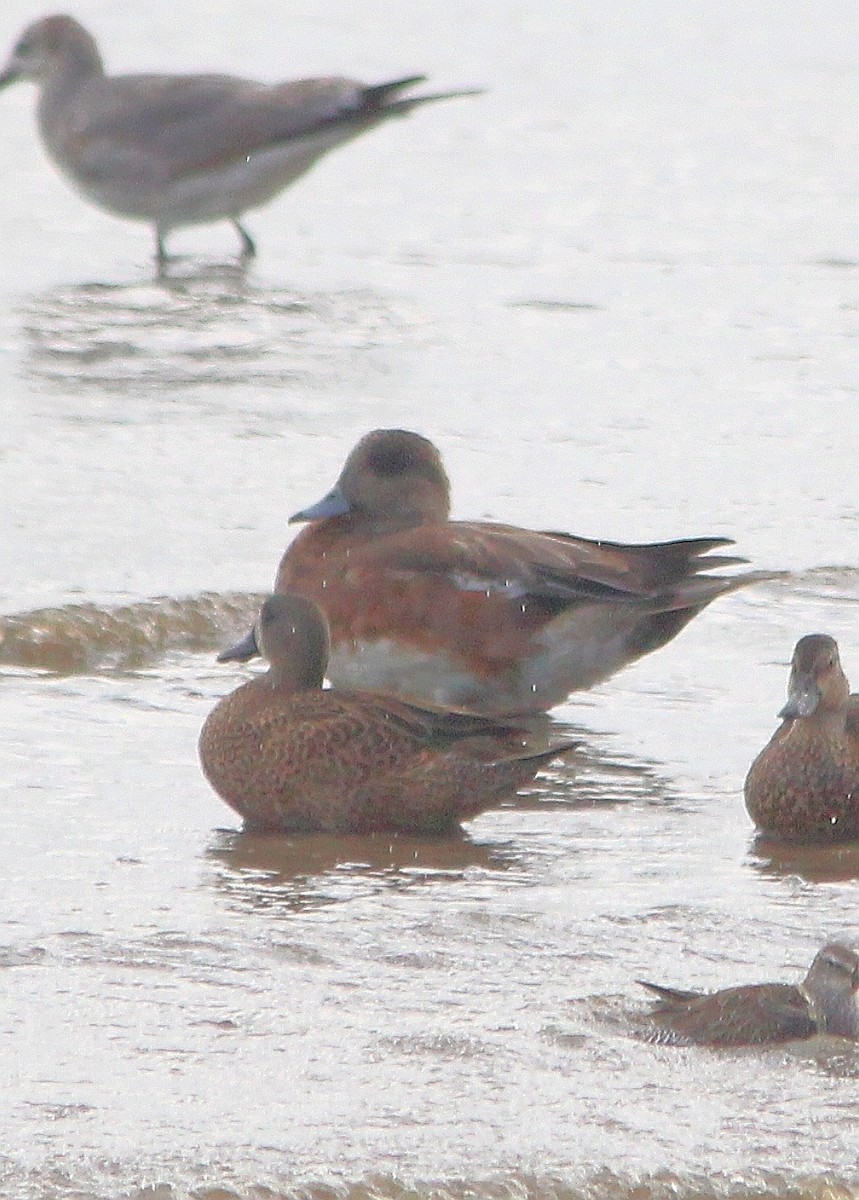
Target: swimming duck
{"x": 827, "y": 1001}
{"x": 804, "y": 784}
{"x": 289, "y": 756}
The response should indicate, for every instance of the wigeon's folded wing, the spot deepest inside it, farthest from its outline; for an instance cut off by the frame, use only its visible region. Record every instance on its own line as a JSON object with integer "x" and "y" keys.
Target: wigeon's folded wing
{"x": 478, "y": 556}
{"x": 644, "y": 570}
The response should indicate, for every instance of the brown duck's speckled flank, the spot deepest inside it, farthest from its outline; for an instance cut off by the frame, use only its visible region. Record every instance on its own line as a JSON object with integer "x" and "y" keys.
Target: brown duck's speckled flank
{"x": 474, "y": 613}
{"x": 826, "y": 1002}
{"x": 804, "y": 784}
{"x": 290, "y": 756}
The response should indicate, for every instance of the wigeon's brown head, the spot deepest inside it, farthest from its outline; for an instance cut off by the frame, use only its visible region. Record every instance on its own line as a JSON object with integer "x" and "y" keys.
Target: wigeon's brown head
{"x": 817, "y": 682}
{"x": 292, "y": 634}
{"x": 50, "y": 46}
{"x": 393, "y": 478}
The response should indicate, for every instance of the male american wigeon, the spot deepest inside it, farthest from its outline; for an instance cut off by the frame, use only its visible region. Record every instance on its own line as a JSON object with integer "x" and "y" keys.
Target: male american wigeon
{"x": 179, "y": 150}
{"x": 290, "y": 756}
{"x": 474, "y": 613}
{"x": 804, "y": 784}
{"x": 827, "y": 1001}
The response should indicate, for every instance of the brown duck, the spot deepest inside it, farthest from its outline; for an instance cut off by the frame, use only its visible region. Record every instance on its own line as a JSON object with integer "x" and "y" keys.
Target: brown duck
{"x": 827, "y": 1001}
{"x": 804, "y": 784}
{"x": 290, "y": 756}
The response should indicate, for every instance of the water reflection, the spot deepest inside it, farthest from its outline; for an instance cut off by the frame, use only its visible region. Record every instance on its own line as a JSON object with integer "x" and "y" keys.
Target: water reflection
{"x": 832, "y": 583}
{"x": 199, "y": 325}
{"x": 292, "y": 874}
{"x": 555, "y": 306}
{"x": 590, "y": 777}
{"x": 815, "y": 864}
{"x": 833, "y": 1057}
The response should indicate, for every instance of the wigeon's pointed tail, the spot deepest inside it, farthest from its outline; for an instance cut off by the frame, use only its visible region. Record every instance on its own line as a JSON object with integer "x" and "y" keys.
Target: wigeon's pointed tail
{"x": 698, "y": 591}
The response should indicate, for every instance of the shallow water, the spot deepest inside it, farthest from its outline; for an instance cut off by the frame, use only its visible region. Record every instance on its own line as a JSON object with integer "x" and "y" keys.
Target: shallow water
{"x": 621, "y": 292}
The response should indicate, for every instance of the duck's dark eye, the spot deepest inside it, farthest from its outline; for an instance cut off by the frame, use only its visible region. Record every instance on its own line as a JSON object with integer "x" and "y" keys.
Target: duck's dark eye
{"x": 838, "y": 962}
{"x": 23, "y": 47}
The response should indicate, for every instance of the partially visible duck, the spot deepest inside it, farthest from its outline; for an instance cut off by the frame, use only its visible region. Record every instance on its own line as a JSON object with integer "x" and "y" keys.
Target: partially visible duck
{"x": 488, "y": 616}
{"x": 827, "y": 1001}
{"x": 804, "y": 784}
{"x": 290, "y": 756}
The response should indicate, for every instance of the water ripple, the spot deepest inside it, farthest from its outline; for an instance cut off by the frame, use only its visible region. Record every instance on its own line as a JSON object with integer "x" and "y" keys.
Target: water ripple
{"x": 91, "y": 638}
{"x": 209, "y": 326}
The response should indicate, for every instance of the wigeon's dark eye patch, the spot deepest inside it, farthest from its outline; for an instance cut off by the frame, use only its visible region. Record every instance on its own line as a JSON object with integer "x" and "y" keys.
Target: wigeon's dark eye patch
{"x": 392, "y": 460}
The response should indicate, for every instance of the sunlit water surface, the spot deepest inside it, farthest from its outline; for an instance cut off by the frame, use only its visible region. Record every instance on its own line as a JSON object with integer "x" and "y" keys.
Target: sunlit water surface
{"x": 620, "y": 291}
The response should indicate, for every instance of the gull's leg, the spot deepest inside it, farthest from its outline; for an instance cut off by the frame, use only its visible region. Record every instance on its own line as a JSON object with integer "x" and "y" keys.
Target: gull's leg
{"x": 161, "y": 255}
{"x": 248, "y": 245}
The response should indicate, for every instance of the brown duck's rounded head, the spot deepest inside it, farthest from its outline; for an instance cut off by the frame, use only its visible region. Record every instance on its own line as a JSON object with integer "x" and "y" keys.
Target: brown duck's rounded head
{"x": 52, "y": 46}
{"x": 817, "y": 682}
{"x": 831, "y": 988}
{"x": 292, "y": 634}
{"x": 392, "y": 479}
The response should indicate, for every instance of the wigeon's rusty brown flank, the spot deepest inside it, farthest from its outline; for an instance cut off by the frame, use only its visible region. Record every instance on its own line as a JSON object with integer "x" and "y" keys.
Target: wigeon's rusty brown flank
{"x": 290, "y": 756}
{"x": 826, "y": 1002}
{"x": 492, "y": 617}
{"x": 804, "y": 784}
{"x": 178, "y": 150}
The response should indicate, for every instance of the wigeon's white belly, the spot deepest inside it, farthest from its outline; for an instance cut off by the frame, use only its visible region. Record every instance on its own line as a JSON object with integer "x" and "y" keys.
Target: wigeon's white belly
{"x": 387, "y": 666}
{"x": 580, "y": 648}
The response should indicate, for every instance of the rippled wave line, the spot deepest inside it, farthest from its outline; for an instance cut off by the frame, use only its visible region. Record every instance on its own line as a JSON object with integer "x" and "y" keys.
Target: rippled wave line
{"x": 604, "y": 1185}
{"x": 95, "y": 639}
{"x": 92, "y": 639}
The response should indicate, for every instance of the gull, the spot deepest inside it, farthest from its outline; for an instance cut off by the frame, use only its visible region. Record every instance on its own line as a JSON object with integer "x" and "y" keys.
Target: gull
{"x": 178, "y": 150}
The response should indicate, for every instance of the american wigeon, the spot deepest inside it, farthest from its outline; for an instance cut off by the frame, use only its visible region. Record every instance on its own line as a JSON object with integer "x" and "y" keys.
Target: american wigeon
{"x": 177, "y": 150}
{"x": 827, "y": 1001}
{"x": 474, "y": 613}
{"x": 290, "y": 756}
{"x": 804, "y": 784}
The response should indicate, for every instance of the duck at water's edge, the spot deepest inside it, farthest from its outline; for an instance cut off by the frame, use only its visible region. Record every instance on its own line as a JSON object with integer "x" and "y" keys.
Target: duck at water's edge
{"x": 804, "y": 784}
{"x": 827, "y": 1001}
{"x": 488, "y": 616}
{"x": 290, "y": 756}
